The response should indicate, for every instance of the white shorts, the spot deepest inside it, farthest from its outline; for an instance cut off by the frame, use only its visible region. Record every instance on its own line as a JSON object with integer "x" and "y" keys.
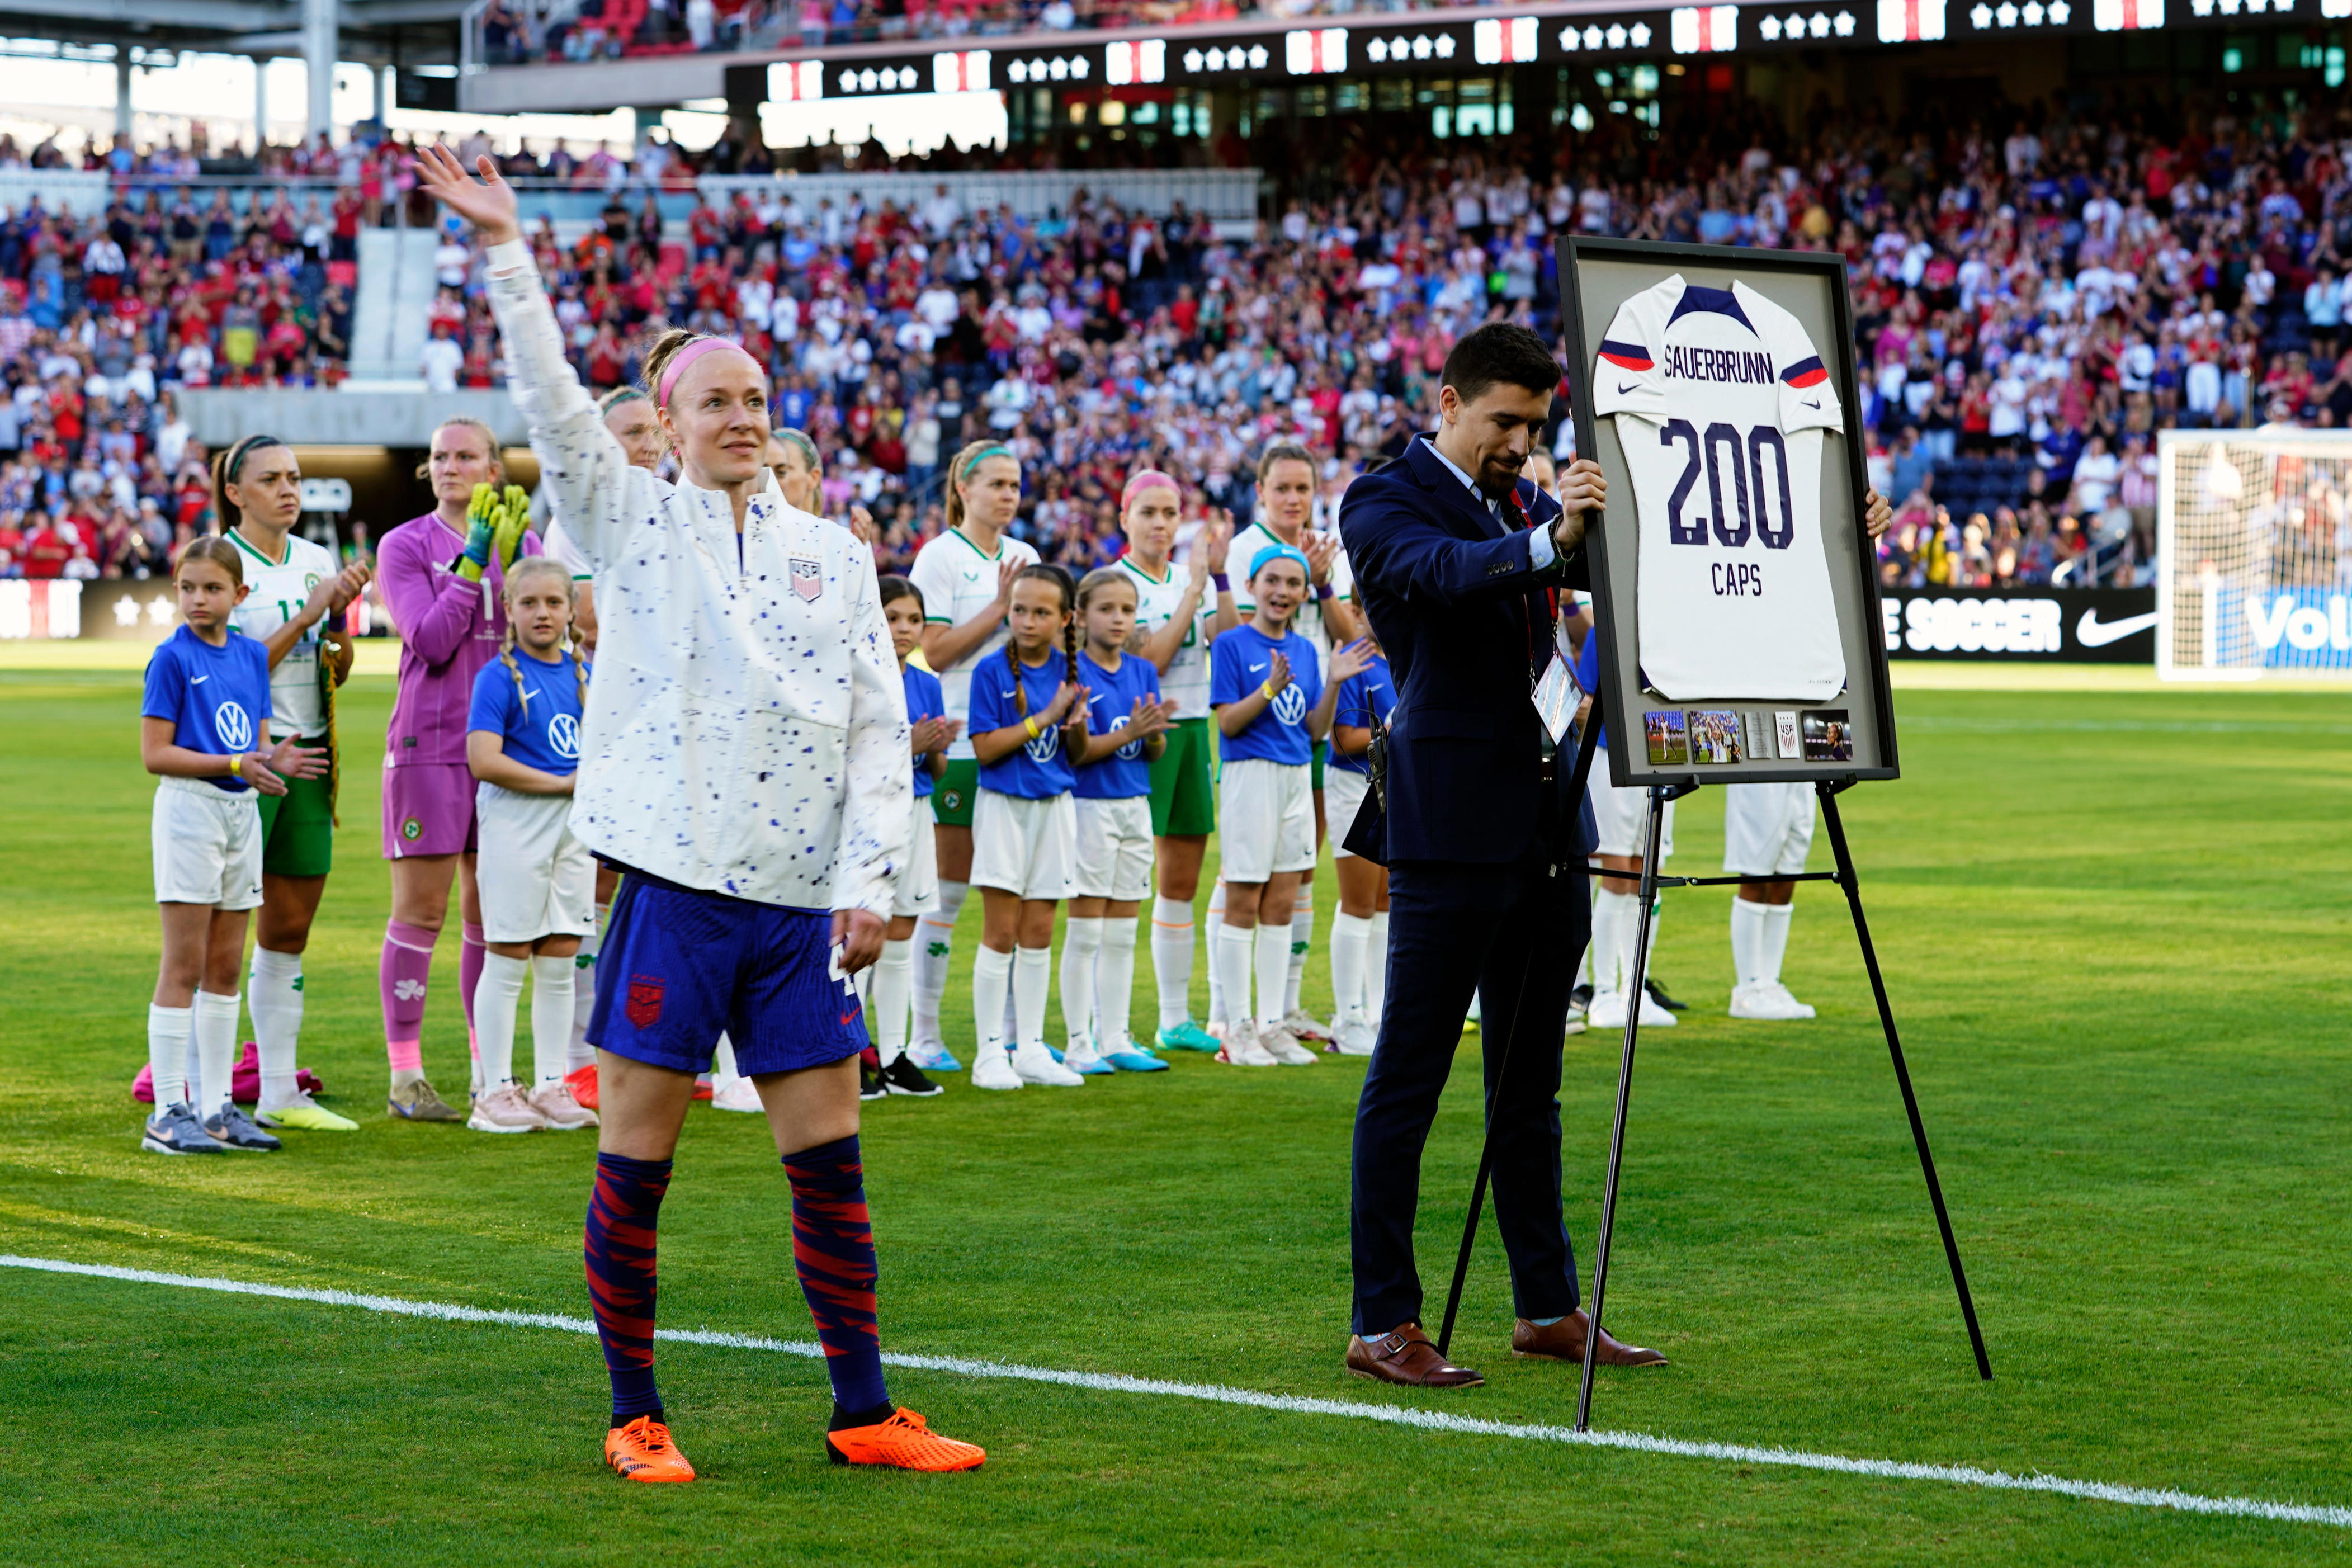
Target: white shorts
{"x": 1029, "y": 848}
{"x": 1114, "y": 851}
{"x": 207, "y": 845}
{"x": 917, "y": 891}
{"x": 537, "y": 880}
{"x": 1265, "y": 820}
{"x": 1343, "y": 796}
{"x": 1767, "y": 828}
{"x": 1622, "y": 815}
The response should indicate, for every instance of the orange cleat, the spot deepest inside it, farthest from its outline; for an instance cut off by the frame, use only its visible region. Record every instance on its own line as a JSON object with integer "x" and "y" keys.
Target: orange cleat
{"x": 642, "y": 1451}
{"x": 582, "y": 1082}
{"x": 903, "y": 1442}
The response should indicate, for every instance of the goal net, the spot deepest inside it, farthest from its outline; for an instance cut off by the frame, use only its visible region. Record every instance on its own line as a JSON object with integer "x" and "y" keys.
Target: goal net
{"x": 2254, "y": 554}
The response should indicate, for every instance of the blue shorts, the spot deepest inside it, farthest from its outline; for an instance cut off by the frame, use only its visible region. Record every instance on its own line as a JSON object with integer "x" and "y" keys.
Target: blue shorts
{"x": 678, "y": 966}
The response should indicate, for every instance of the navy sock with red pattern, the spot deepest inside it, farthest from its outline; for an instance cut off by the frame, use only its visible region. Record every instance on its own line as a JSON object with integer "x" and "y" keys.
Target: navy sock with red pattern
{"x": 622, "y": 1213}
{"x": 833, "y": 1253}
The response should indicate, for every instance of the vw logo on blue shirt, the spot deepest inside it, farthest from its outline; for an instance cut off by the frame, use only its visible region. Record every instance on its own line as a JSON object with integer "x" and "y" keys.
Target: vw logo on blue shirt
{"x": 1290, "y": 705}
{"x": 234, "y": 725}
{"x": 1043, "y": 748}
{"x": 564, "y": 736}
{"x": 1133, "y": 748}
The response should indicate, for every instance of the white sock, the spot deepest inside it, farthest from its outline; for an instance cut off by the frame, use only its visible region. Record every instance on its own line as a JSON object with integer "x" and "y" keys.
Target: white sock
{"x": 578, "y": 1053}
{"x": 1376, "y": 969}
{"x": 496, "y": 995}
{"x": 1774, "y": 943}
{"x": 553, "y": 982}
{"x": 1033, "y": 977}
{"x": 1235, "y": 947}
{"x": 1115, "y": 980}
{"x": 1349, "y": 934}
{"x": 893, "y": 974}
{"x": 723, "y": 1063}
{"x": 1272, "y": 971}
{"x": 1218, "y": 979}
{"x": 991, "y": 974}
{"x": 273, "y": 994}
{"x": 1746, "y": 940}
{"x": 934, "y": 944}
{"x": 1302, "y": 942}
{"x": 1081, "y": 939}
{"x": 1613, "y": 922}
{"x": 215, "y": 1032}
{"x": 1172, "y": 959}
{"x": 168, "y": 1029}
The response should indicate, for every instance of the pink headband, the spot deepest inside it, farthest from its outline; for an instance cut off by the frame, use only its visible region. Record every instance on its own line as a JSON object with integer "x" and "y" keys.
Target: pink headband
{"x": 1143, "y": 479}
{"x": 688, "y": 354}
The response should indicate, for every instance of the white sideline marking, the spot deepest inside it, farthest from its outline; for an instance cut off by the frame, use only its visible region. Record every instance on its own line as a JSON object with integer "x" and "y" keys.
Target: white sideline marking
{"x": 1395, "y": 1416}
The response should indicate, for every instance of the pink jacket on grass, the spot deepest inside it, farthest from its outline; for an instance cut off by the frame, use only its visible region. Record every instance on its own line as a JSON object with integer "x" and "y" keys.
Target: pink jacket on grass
{"x": 450, "y": 629}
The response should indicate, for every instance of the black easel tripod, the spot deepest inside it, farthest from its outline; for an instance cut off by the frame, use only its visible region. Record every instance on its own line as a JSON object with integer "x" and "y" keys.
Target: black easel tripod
{"x": 1651, "y": 882}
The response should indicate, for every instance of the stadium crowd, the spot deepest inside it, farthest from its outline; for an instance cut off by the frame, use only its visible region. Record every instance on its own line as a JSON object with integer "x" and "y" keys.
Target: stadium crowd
{"x": 2033, "y": 301}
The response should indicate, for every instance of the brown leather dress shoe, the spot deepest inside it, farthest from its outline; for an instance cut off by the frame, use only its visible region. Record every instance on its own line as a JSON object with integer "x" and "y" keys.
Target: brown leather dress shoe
{"x": 1404, "y": 1355}
{"x": 1564, "y": 1340}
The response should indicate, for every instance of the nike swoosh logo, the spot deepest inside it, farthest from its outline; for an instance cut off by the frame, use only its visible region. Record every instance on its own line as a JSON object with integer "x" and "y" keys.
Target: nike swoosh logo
{"x": 1628, "y": 387}
{"x": 200, "y": 680}
{"x": 1816, "y": 403}
{"x": 2091, "y": 632}
{"x": 848, "y": 1019}
{"x": 1256, "y": 667}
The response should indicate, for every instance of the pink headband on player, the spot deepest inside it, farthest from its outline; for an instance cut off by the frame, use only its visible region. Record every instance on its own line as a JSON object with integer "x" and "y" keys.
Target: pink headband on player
{"x": 1143, "y": 479}
{"x": 688, "y": 354}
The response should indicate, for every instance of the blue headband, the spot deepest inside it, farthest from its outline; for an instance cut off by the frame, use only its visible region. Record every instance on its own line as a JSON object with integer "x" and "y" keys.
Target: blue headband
{"x": 1278, "y": 552}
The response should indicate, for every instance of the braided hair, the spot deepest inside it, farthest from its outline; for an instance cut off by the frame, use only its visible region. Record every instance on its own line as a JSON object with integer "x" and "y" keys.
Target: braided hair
{"x": 524, "y": 568}
{"x": 1039, "y": 571}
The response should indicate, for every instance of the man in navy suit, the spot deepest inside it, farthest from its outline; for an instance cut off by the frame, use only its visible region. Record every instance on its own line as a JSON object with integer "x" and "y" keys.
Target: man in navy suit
{"x": 1458, "y": 561}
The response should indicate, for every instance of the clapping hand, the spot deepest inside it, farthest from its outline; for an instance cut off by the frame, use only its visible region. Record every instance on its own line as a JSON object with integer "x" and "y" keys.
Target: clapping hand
{"x": 1320, "y": 549}
{"x": 861, "y": 525}
{"x": 1209, "y": 548}
{"x": 1066, "y": 695}
{"x": 1278, "y": 675}
{"x": 1145, "y": 720}
{"x": 348, "y": 584}
{"x": 1352, "y": 660}
{"x": 1007, "y": 570}
{"x": 930, "y": 734}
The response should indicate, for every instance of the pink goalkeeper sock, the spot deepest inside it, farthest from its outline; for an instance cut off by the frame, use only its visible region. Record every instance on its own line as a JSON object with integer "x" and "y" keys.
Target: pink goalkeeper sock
{"x": 470, "y": 953}
{"x": 402, "y": 976}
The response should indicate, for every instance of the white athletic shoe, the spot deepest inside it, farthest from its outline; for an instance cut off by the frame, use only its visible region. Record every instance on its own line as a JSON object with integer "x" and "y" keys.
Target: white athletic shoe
{"x": 1766, "y": 1000}
{"x": 1304, "y": 1025}
{"x": 1353, "y": 1038}
{"x": 1032, "y": 1063}
{"x": 1242, "y": 1050}
{"x": 992, "y": 1067}
{"x": 1285, "y": 1048}
{"x": 504, "y": 1109}
{"x": 1608, "y": 1012}
{"x": 740, "y": 1094}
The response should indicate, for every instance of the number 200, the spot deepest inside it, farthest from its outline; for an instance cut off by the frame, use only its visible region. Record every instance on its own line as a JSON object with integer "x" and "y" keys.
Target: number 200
{"x": 1747, "y": 464}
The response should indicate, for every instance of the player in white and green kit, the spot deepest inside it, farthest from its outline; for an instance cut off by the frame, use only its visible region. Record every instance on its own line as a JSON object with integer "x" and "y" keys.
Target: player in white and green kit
{"x": 1286, "y": 502}
{"x": 1177, "y": 616}
{"x": 292, "y": 588}
{"x": 966, "y": 578}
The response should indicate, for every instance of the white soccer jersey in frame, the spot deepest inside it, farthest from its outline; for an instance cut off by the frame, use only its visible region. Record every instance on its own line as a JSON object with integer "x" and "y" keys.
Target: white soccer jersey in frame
{"x": 1721, "y": 402}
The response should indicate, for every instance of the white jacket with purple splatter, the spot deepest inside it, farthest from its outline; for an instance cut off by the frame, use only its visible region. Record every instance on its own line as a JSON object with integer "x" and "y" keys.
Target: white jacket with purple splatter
{"x": 746, "y": 729}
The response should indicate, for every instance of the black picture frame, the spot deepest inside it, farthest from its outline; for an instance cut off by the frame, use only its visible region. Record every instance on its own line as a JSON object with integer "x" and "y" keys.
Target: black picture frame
{"x": 1622, "y": 696}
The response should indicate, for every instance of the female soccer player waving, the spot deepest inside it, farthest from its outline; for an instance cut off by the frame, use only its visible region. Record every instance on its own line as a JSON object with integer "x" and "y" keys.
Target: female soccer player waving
{"x": 743, "y": 759}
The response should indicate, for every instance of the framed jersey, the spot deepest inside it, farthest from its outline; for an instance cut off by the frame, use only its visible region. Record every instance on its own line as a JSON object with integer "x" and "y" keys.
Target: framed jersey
{"x": 1734, "y": 590}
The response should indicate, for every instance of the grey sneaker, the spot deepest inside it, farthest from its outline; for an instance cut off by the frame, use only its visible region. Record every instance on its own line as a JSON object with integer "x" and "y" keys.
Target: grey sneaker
{"x": 1283, "y": 1045}
{"x": 231, "y": 1128}
{"x": 504, "y": 1109}
{"x": 174, "y": 1129}
{"x": 419, "y": 1101}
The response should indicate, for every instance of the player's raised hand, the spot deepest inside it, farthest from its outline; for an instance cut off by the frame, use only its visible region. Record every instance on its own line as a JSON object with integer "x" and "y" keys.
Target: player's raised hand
{"x": 1876, "y": 515}
{"x": 1006, "y": 569}
{"x": 350, "y": 583}
{"x": 1320, "y": 548}
{"x": 1352, "y": 660}
{"x": 929, "y": 735}
{"x": 487, "y": 203}
{"x": 861, "y": 525}
{"x": 1210, "y": 546}
{"x": 1065, "y": 696}
{"x": 1278, "y": 675}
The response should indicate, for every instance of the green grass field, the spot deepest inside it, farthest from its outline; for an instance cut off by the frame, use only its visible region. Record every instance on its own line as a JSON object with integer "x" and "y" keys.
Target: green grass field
{"x": 2115, "y": 934}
